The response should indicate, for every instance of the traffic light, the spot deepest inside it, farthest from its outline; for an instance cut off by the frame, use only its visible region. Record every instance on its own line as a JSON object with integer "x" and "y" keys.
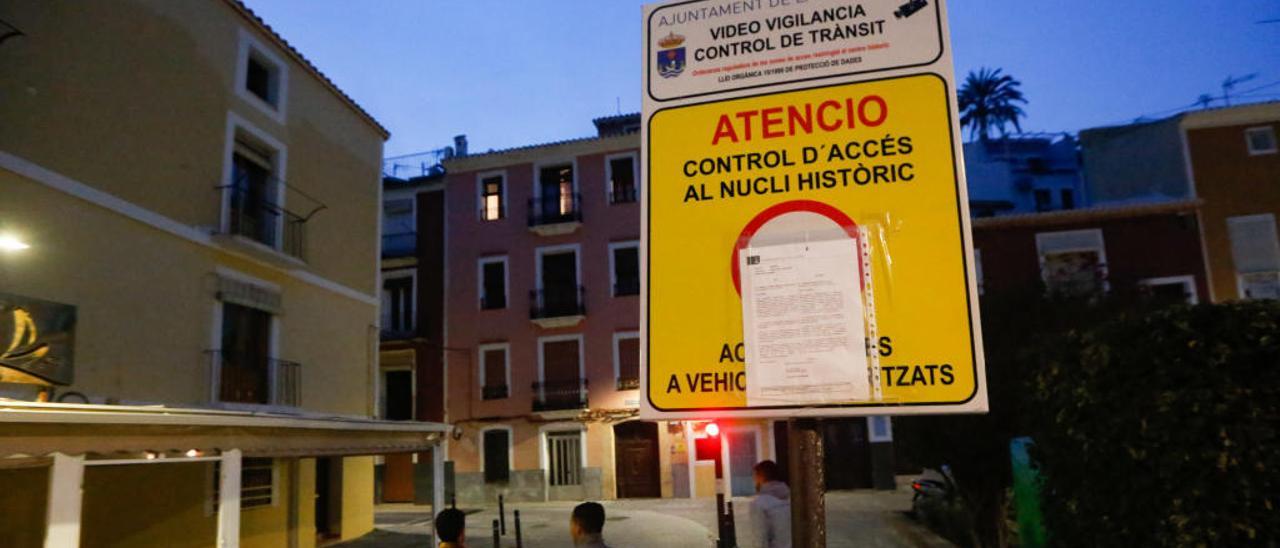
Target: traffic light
{"x": 707, "y": 445}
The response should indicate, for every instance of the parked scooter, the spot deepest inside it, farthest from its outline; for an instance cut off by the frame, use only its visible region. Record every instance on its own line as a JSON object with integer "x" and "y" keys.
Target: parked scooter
{"x": 931, "y": 485}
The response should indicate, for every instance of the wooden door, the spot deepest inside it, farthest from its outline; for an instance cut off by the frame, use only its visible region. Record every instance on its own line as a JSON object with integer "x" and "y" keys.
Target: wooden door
{"x": 397, "y": 478}
{"x": 636, "y": 460}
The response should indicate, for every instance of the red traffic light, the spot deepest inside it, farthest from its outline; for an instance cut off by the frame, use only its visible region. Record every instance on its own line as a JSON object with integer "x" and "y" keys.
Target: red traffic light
{"x": 712, "y": 429}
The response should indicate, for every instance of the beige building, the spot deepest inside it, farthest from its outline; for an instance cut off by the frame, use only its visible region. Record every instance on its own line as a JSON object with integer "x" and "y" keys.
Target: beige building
{"x": 189, "y": 227}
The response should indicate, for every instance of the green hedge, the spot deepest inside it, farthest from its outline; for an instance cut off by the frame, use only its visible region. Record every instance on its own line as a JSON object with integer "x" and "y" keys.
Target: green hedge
{"x": 1159, "y": 428}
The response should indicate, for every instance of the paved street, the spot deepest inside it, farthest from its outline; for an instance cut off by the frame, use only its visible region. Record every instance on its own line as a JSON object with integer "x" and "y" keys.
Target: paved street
{"x": 854, "y": 518}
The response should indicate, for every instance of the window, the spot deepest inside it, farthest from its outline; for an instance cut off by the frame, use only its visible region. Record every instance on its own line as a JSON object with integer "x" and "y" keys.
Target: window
{"x": 561, "y": 383}
{"x": 1261, "y": 140}
{"x": 495, "y": 445}
{"x": 257, "y": 482}
{"x": 1044, "y": 200}
{"x": 397, "y": 302}
{"x": 977, "y": 269}
{"x": 493, "y": 283}
{"x": 881, "y": 429}
{"x": 1255, "y": 250}
{"x": 626, "y": 359}
{"x": 1068, "y": 199}
{"x": 622, "y": 179}
{"x": 556, "y": 200}
{"x": 253, "y": 194}
{"x": 495, "y": 371}
{"x": 397, "y": 394}
{"x": 244, "y": 358}
{"x": 1171, "y": 289}
{"x": 1072, "y": 263}
{"x": 564, "y": 458}
{"x": 261, "y": 76}
{"x": 493, "y": 199}
{"x": 399, "y": 233}
{"x": 624, "y": 267}
{"x": 558, "y": 293}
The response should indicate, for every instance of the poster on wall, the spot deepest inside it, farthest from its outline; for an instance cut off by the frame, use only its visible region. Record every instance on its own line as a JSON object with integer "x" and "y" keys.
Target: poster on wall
{"x": 36, "y": 341}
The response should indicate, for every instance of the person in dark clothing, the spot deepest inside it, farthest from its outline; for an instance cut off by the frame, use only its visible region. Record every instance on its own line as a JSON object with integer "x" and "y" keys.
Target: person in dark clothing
{"x": 451, "y": 525}
{"x": 771, "y": 509}
{"x": 586, "y": 526}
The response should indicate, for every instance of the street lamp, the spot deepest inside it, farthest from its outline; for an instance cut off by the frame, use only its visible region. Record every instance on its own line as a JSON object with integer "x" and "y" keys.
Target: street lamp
{"x": 10, "y": 242}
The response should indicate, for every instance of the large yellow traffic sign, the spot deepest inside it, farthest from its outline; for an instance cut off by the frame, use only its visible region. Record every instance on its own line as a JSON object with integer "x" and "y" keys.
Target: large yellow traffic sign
{"x": 876, "y": 160}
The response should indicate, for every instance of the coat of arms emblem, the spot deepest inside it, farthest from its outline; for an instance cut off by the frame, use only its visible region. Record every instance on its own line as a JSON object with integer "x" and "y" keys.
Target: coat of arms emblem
{"x": 671, "y": 55}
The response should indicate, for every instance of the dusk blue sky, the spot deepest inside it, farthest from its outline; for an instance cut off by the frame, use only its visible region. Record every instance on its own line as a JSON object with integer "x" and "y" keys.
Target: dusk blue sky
{"x": 510, "y": 73}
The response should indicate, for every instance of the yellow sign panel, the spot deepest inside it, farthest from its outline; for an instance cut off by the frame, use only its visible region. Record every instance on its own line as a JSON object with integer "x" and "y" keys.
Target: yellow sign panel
{"x": 875, "y": 160}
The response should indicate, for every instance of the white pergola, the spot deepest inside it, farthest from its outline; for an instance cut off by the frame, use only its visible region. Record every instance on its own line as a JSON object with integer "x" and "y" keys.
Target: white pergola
{"x": 156, "y": 435}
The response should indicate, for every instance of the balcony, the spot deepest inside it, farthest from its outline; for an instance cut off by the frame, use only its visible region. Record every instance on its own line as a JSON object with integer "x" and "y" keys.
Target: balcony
{"x": 628, "y": 383}
{"x": 259, "y": 226}
{"x": 559, "y": 395}
{"x": 397, "y": 334}
{"x": 555, "y": 216}
{"x": 624, "y": 195}
{"x": 495, "y": 392}
{"x": 402, "y": 244}
{"x": 243, "y": 378}
{"x": 554, "y": 307}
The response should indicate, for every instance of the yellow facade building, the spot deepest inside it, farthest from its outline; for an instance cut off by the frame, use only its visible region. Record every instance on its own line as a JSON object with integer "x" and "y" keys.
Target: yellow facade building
{"x": 189, "y": 227}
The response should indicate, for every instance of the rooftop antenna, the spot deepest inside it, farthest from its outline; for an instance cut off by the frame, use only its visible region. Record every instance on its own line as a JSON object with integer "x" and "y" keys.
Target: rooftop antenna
{"x": 1204, "y": 100}
{"x": 1230, "y": 84}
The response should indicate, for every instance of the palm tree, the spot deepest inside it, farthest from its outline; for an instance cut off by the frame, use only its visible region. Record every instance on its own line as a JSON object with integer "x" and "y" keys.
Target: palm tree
{"x": 988, "y": 101}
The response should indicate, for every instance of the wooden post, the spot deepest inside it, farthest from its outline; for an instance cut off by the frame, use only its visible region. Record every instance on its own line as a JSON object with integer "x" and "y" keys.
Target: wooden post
{"x": 808, "y": 483}
{"x": 62, "y": 509}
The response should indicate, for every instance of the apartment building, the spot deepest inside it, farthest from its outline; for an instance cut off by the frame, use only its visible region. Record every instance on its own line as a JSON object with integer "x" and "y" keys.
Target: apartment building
{"x": 542, "y": 345}
{"x": 189, "y": 283}
{"x": 1023, "y": 173}
{"x": 1225, "y": 158}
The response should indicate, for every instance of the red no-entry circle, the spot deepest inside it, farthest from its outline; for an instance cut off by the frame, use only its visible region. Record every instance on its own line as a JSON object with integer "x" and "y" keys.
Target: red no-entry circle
{"x": 778, "y": 210}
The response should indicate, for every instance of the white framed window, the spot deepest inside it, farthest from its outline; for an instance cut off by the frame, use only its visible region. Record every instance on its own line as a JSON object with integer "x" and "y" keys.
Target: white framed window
{"x": 626, "y": 359}
{"x": 262, "y": 77}
{"x": 398, "y": 385}
{"x": 563, "y": 454}
{"x": 622, "y": 178}
{"x": 495, "y": 370}
{"x": 245, "y": 369}
{"x": 1073, "y": 262}
{"x": 1255, "y": 250}
{"x": 259, "y": 484}
{"x": 494, "y": 282}
{"x": 1261, "y": 140}
{"x": 562, "y": 373}
{"x": 879, "y": 429}
{"x": 253, "y": 174}
{"x": 624, "y": 268}
{"x": 497, "y": 459}
{"x": 1172, "y": 288}
{"x": 556, "y": 196}
{"x": 491, "y": 194}
{"x": 399, "y": 294}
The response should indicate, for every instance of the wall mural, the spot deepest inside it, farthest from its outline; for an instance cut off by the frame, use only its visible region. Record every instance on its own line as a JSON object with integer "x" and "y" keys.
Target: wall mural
{"x": 36, "y": 340}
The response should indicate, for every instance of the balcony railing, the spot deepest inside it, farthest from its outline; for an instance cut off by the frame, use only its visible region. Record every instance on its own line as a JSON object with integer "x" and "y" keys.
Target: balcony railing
{"x": 628, "y": 383}
{"x": 402, "y": 244}
{"x": 557, "y": 302}
{"x": 495, "y": 392}
{"x": 240, "y": 377}
{"x": 624, "y": 195}
{"x": 397, "y": 334}
{"x": 261, "y": 220}
{"x": 560, "y": 395}
{"x": 626, "y": 286}
{"x": 560, "y": 209}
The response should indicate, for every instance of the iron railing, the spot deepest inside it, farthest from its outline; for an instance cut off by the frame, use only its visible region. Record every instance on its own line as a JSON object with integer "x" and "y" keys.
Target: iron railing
{"x": 241, "y": 377}
{"x": 560, "y": 209}
{"x": 624, "y": 195}
{"x": 560, "y": 395}
{"x": 261, "y": 220}
{"x": 557, "y": 302}
{"x": 495, "y": 392}
{"x": 400, "y": 244}
{"x": 628, "y": 383}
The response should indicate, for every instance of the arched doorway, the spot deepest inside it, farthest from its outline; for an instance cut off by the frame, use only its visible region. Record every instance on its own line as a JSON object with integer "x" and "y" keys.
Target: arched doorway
{"x": 635, "y": 450}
